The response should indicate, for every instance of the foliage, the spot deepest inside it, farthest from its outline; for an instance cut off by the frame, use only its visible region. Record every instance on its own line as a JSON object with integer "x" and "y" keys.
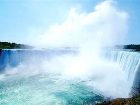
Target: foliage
{"x": 130, "y": 46}
{"x": 8, "y": 45}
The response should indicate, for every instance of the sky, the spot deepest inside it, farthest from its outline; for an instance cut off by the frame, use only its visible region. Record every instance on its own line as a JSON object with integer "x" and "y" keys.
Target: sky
{"x": 24, "y": 21}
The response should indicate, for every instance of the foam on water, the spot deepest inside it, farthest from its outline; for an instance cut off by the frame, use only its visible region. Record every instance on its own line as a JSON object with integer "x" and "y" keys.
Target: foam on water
{"x": 45, "y": 90}
{"x": 40, "y": 79}
{"x": 57, "y": 77}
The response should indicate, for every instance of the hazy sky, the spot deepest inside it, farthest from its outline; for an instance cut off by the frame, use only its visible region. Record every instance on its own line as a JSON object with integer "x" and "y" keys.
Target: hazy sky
{"x": 23, "y": 20}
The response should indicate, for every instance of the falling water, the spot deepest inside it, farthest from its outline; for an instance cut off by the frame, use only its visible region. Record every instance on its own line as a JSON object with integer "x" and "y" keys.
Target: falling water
{"x": 40, "y": 77}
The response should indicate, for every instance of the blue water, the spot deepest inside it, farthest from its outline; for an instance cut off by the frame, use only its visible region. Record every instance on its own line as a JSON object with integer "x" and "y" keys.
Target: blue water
{"x": 20, "y": 85}
{"x": 45, "y": 90}
{"x": 35, "y": 77}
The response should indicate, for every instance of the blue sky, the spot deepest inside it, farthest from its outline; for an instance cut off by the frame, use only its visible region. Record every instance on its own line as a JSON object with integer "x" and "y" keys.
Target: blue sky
{"x": 19, "y": 17}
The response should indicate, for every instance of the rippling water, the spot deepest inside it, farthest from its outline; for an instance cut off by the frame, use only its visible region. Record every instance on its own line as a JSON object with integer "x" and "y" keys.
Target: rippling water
{"x": 48, "y": 89}
{"x": 63, "y": 77}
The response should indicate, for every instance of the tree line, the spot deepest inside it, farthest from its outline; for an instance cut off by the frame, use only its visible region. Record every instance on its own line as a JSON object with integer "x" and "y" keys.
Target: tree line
{"x": 8, "y": 45}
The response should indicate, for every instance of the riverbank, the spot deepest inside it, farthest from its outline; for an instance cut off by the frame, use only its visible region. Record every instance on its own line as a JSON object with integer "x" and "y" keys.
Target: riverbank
{"x": 9, "y": 45}
{"x": 122, "y": 101}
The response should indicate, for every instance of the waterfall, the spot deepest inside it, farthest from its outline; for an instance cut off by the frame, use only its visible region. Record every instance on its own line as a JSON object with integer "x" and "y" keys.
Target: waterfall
{"x": 129, "y": 61}
{"x": 13, "y": 57}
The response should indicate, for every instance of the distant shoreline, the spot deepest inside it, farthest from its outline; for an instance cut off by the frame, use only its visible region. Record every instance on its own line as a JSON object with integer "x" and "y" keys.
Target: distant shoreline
{"x": 134, "y": 47}
{"x": 9, "y": 45}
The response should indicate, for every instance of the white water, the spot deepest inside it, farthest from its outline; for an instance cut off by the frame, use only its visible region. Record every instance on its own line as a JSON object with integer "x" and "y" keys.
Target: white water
{"x": 58, "y": 76}
{"x": 112, "y": 76}
{"x": 129, "y": 62}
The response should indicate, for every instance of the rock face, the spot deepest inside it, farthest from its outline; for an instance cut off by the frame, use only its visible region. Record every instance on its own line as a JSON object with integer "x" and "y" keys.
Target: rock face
{"x": 122, "y": 101}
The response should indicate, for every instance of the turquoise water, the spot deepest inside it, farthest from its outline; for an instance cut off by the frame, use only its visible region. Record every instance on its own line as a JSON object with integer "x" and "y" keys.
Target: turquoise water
{"x": 47, "y": 77}
{"x": 26, "y": 82}
{"x": 48, "y": 89}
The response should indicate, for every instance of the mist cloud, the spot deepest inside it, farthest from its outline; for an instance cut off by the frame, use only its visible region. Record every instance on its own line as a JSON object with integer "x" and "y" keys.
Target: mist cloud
{"x": 105, "y": 25}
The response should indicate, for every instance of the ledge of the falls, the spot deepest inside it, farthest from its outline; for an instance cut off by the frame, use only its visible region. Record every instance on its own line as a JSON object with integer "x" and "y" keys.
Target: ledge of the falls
{"x": 129, "y": 61}
{"x": 13, "y": 57}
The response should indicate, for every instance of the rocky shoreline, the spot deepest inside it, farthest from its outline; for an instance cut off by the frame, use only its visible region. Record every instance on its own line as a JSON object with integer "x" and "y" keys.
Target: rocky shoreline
{"x": 122, "y": 101}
